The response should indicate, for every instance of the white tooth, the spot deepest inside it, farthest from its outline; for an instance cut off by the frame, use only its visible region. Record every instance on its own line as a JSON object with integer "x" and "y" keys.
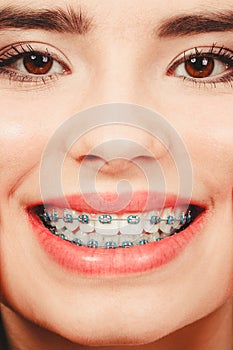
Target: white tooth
{"x": 77, "y": 241}
{"x": 164, "y": 235}
{"x": 126, "y": 238}
{"x": 129, "y": 228}
{"x": 70, "y": 236}
{"x": 75, "y": 234}
{"x": 155, "y": 238}
{"x": 179, "y": 212}
{"x": 59, "y": 224}
{"x": 164, "y": 225}
{"x": 87, "y": 227}
{"x": 114, "y": 239}
{"x": 84, "y": 237}
{"x": 70, "y": 220}
{"x": 141, "y": 239}
{"x": 152, "y": 237}
{"x": 95, "y": 237}
{"x": 53, "y": 215}
{"x": 111, "y": 228}
{"x": 148, "y": 225}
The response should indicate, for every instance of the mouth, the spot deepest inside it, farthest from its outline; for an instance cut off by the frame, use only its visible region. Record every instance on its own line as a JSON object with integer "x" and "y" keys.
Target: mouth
{"x": 93, "y": 242}
{"x": 111, "y": 231}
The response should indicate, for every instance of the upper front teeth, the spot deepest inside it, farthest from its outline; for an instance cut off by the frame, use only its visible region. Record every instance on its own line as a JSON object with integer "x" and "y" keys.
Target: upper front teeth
{"x": 106, "y": 224}
{"x": 112, "y": 224}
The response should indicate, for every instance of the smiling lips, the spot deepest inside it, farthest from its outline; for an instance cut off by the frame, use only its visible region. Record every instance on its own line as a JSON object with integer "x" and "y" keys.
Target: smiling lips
{"x": 74, "y": 236}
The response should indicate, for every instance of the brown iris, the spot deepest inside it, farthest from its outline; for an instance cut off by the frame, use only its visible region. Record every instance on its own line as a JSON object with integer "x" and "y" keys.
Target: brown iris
{"x": 199, "y": 67}
{"x": 36, "y": 63}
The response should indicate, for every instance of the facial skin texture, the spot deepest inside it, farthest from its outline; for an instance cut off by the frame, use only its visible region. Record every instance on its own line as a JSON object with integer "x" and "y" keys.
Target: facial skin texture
{"x": 118, "y": 60}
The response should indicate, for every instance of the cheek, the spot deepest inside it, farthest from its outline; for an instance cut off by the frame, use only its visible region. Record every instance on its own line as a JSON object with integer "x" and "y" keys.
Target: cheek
{"x": 24, "y": 130}
{"x": 27, "y": 121}
{"x": 208, "y": 133}
{"x": 19, "y": 149}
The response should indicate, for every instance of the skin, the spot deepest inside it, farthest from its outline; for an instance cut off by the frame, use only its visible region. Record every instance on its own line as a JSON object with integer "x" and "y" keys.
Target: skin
{"x": 184, "y": 304}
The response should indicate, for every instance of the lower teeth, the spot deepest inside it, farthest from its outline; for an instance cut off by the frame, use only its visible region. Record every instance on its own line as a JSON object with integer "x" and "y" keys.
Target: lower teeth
{"x": 111, "y": 241}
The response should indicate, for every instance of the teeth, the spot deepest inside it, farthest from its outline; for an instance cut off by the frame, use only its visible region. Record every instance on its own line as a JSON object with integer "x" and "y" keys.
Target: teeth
{"x": 107, "y": 224}
{"x": 59, "y": 224}
{"x": 151, "y": 222}
{"x": 131, "y": 224}
{"x": 110, "y": 245}
{"x": 125, "y": 238}
{"x": 69, "y": 235}
{"x": 111, "y": 241}
{"x": 68, "y": 219}
{"x": 167, "y": 222}
{"x": 84, "y": 238}
{"x": 77, "y": 241}
{"x": 111, "y": 230}
{"x": 86, "y": 224}
{"x": 143, "y": 241}
{"x": 127, "y": 244}
{"x": 92, "y": 243}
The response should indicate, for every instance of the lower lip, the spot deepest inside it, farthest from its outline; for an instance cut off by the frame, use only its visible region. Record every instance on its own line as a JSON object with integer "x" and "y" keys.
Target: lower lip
{"x": 97, "y": 261}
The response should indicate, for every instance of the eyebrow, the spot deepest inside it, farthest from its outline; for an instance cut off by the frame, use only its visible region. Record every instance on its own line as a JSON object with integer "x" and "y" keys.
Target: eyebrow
{"x": 55, "y": 20}
{"x": 75, "y": 21}
{"x": 196, "y": 24}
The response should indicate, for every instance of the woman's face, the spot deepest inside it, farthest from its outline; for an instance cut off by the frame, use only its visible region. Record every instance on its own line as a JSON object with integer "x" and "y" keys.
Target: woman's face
{"x": 132, "y": 52}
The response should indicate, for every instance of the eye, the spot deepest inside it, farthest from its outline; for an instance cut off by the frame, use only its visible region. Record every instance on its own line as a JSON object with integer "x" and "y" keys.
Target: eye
{"x": 25, "y": 63}
{"x": 37, "y": 63}
{"x": 204, "y": 63}
{"x": 201, "y": 67}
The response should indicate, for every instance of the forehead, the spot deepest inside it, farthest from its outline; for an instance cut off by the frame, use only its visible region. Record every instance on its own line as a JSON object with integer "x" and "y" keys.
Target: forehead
{"x": 128, "y": 8}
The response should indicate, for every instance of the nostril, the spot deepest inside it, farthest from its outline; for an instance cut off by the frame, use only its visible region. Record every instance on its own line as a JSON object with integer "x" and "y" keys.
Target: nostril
{"x": 115, "y": 166}
{"x": 147, "y": 159}
{"x": 116, "y": 149}
{"x": 90, "y": 157}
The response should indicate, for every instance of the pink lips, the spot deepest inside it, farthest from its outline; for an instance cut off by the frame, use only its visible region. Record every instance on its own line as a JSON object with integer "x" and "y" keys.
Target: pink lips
{"x": 91, "y": 261}
{"x": 114, "y": 203}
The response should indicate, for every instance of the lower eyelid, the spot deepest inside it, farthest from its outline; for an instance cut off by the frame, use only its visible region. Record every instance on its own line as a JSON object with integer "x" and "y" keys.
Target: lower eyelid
{"x": 26, "y": 82}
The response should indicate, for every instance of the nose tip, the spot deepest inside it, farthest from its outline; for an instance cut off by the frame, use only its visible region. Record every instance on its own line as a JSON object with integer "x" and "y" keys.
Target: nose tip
{"x": 117, "y": 166}
{"x": 121, "y": 144}
{"x": 122, "y": 149}
{"x": 117, "y": 134}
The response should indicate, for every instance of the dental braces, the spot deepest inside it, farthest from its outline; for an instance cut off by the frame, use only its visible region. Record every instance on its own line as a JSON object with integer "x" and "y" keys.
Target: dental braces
{"x": 92, "y": 243}
{"x": 89, "y": 239}
{"x": 184, "y": 218}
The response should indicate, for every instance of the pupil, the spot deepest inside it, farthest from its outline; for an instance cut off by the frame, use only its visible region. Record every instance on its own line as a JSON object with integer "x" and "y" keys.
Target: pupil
{"x": 39, "y": 60}
{"x": 199, "y": 63}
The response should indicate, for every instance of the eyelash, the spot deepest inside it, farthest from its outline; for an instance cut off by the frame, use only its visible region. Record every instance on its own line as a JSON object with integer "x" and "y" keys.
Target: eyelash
{"x": 220, "y": 54}
{"x": 19, "y": 51}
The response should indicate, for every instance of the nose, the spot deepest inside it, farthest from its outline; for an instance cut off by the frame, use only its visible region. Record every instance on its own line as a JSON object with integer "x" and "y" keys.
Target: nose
{"x": 120, "y": 131}
{"x": 118, "y": 149}
{"x": 118, "y": 134}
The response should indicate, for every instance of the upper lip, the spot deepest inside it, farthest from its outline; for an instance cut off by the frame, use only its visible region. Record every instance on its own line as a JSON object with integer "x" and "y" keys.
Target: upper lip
{"x": 112, "y": 203}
